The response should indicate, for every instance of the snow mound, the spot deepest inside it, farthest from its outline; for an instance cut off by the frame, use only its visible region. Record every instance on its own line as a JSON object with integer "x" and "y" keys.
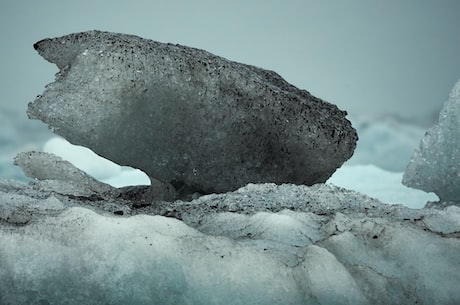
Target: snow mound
{"x": 262, "y": 244}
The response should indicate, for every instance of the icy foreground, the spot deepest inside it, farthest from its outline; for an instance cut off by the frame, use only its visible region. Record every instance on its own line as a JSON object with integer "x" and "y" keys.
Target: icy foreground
{"x": 67, "y": 238}
{"x": 435, "y": 166}
{"x": 186, "y": 117}
{"x": 81, "y": 243}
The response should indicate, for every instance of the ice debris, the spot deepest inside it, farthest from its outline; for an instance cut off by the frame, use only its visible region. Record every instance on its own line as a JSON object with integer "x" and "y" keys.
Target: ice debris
{"x": 52, "y": 173}
{"x": 262, "y": 244}
{"x": 187, "y": 117}
{"x": 49, "y": 167}
{"x": 435, "y": 165}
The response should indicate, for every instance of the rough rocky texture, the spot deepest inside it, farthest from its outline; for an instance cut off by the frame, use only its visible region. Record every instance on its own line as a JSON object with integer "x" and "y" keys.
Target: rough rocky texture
{"x": 309, "y": 245}
{"x": 187, "y": 117}
{"x": 435, "y": 165}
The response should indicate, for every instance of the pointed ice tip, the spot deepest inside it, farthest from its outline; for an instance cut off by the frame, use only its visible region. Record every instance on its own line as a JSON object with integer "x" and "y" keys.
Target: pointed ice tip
{"x": 60, "y": 51}
{"x": 41, "y": 45}
{"x": 38, "y": 46}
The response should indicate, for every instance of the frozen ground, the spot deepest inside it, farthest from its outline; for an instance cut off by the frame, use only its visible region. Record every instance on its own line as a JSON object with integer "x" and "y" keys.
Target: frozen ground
{"x": 262, "y": 244}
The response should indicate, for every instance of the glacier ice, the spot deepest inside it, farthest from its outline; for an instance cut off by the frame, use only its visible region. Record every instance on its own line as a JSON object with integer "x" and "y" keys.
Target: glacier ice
{"x": 46, "y": 166}
{"x": 261, "y": 244}
{"x": 66, "y": 238}
{"x": 187, "y": 117}
{"x": 435, "y": 165}
{"x": 54, "y": 174}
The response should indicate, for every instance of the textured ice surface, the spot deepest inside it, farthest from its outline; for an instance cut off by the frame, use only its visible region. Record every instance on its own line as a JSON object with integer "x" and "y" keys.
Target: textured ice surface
{"x": 68, "y": 239}
{"x": 435, "y": 165}
{"x": 309, "y": 245}
{"x": 262, "y": 244}
{"x": 51, "y": 173}
{"x": 59, "y": 172}
{"x": 187, "y": 117}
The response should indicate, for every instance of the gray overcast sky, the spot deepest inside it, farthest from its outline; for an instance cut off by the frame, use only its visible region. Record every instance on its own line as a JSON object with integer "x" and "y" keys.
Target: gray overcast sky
{"x": 368, "y": 57}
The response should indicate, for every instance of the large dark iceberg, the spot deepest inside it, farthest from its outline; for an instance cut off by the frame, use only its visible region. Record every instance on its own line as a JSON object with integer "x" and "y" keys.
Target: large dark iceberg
{"x": 187, "y": 117}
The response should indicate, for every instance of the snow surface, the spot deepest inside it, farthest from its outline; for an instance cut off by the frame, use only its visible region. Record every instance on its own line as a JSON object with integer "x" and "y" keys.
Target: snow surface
{"x": 84, "y": 243}
{"x": 262, "y": 244}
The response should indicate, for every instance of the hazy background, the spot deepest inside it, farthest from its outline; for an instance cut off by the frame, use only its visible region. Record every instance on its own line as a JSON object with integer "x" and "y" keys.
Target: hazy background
{"x": 371, "y": 58}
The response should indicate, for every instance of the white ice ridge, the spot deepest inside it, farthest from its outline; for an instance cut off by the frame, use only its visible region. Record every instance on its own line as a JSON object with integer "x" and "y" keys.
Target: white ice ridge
{"x": 262, "y": 244}
{"x": 435, "y": 165}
